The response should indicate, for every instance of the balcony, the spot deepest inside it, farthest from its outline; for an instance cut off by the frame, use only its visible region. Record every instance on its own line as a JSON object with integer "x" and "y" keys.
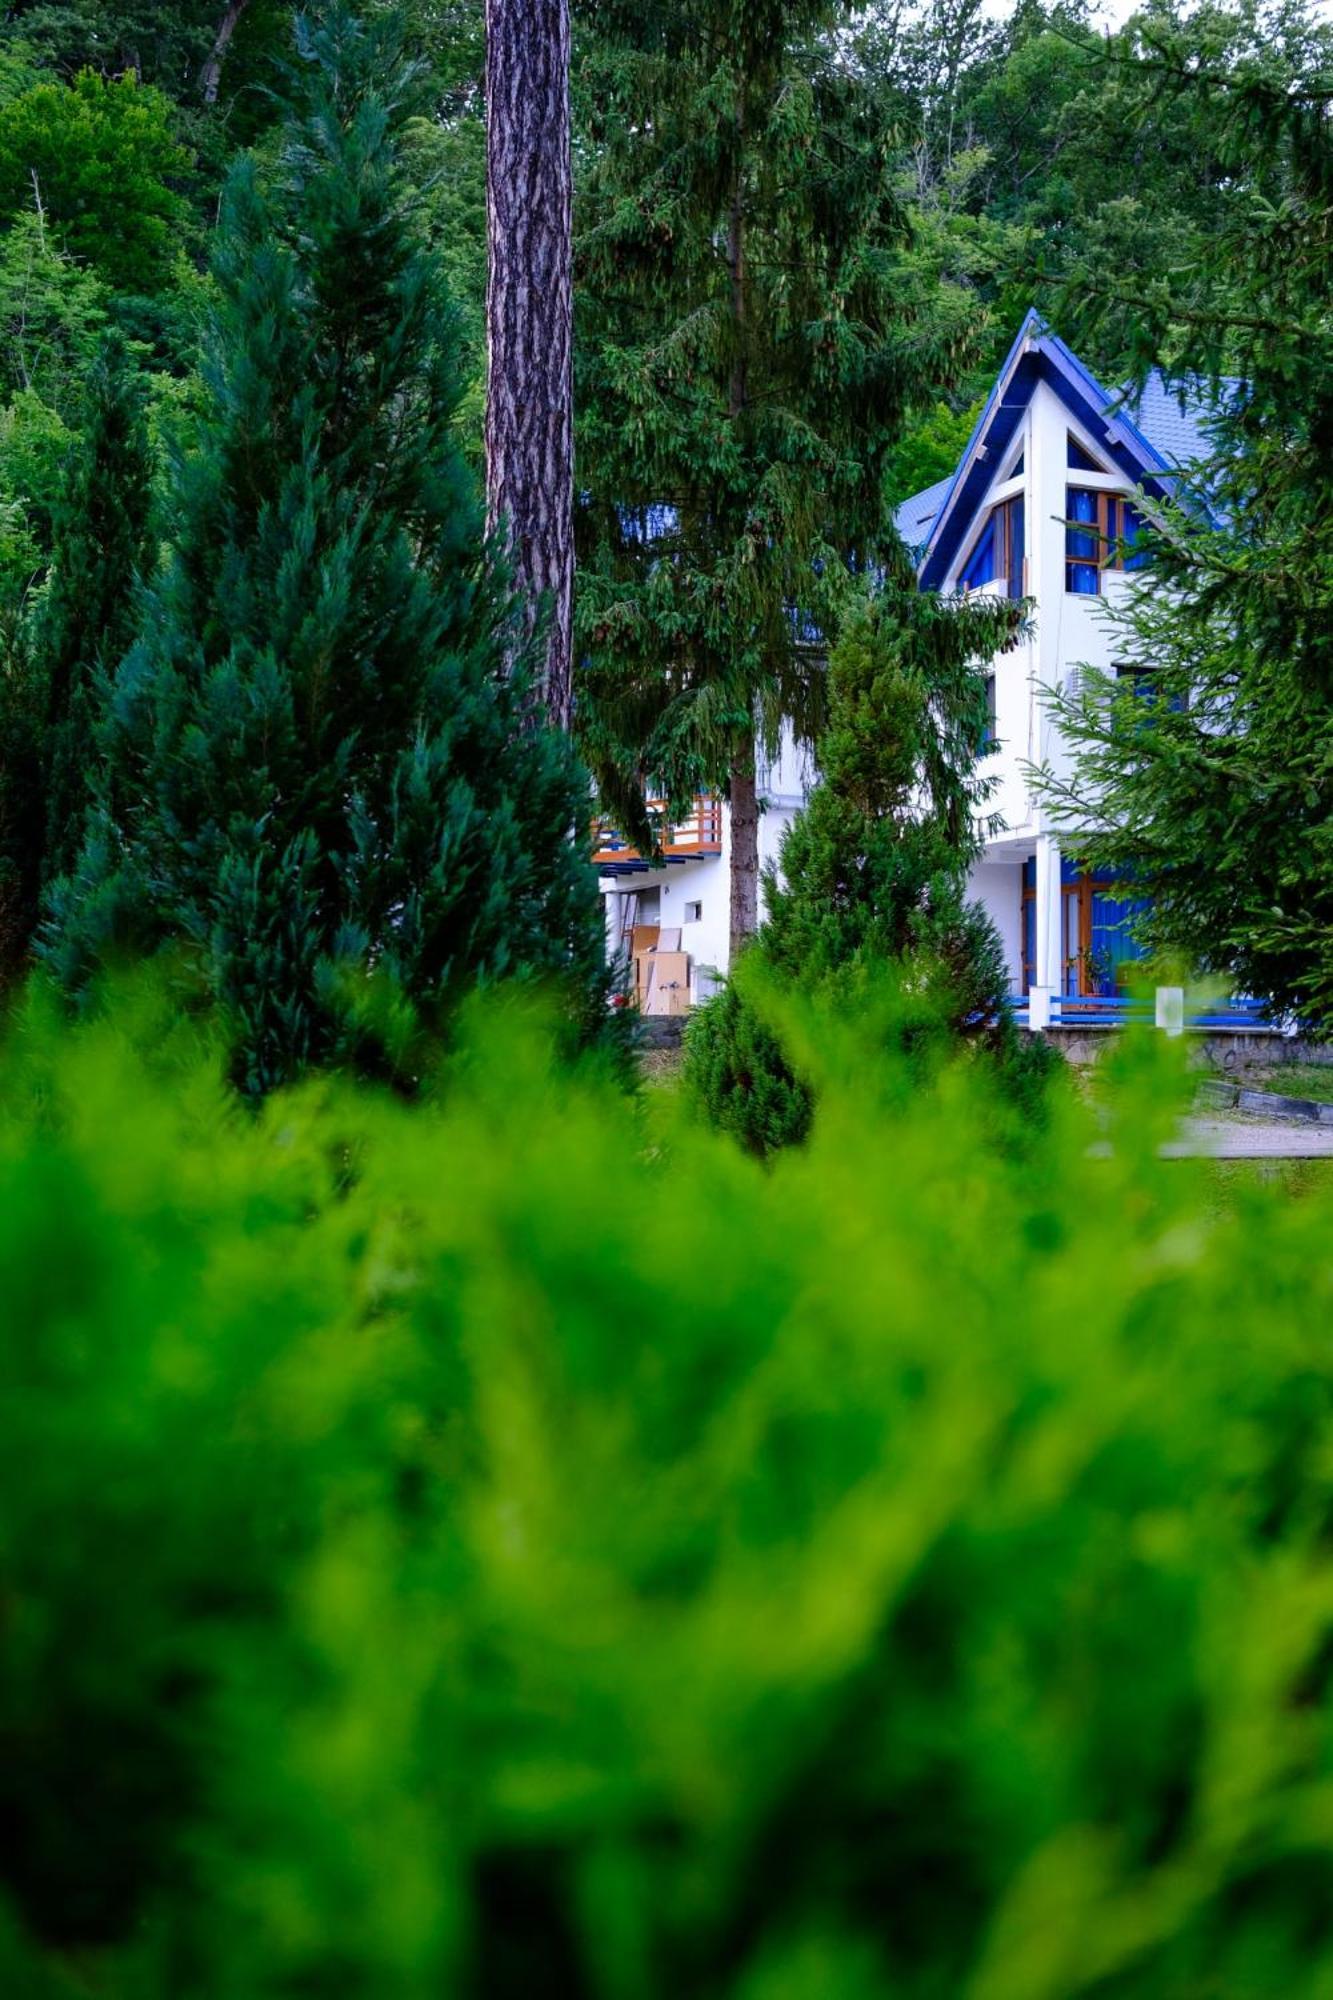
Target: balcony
{"x": 1122, "y": 1010}
{"x": 694, "y": 838}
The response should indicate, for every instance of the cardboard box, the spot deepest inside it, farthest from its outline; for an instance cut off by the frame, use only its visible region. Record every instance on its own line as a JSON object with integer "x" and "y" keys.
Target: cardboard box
{"x": 643, "y": 938}
{"x": 668, "y": 986}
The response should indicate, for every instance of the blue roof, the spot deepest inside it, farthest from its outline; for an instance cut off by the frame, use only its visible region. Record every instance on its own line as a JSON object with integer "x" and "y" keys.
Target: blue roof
{"x": 1175, "y": 421}
{"x": 1151, "y": 434}
{"x": 916, "y": 517}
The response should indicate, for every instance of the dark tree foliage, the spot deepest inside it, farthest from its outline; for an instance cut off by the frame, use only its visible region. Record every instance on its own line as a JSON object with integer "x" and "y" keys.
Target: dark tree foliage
{"x": 50, "y": 700}
{"x": 1209, "y": 773}
{"x": 316, "y": 776}
{"x": 872, "y": 883}
{"x": 169, "y": 43}
{"x": 755, "y": 329}
{"x": 21, "y": 808}
{"x": 103, "y": 550}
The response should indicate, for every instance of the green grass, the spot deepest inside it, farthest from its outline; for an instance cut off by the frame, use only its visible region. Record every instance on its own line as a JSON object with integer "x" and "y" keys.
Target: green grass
{"x": 1311, "y": 1080}
{"x": 1231, "y": 1180}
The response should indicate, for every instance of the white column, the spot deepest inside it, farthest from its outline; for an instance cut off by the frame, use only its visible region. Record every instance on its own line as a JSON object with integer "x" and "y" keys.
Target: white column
{"x": 1048, "y": 967}
{"x": 611, "y": 909}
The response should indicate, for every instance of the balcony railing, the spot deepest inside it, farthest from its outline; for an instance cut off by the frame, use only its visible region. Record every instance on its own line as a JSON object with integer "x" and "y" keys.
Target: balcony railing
{"x": 1119, "y": 1010}
{"x": 690, "y": 839}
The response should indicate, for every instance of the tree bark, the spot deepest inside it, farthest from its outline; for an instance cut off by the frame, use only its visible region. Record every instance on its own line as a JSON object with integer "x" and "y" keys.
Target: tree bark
{"x": 742, "y": 791}
{"x": 529, "y": 321}
{"x": 210, "y": 76}
{"x": 744, "y": 800}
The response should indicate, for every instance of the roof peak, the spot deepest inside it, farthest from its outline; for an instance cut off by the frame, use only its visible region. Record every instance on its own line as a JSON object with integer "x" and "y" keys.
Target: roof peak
{"x": 1152, "y": 431}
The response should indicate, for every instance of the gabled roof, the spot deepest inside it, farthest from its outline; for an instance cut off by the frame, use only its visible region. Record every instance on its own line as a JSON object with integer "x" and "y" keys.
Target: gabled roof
{"x": 916, "y": 517}
{"x": 1147, "y": 438}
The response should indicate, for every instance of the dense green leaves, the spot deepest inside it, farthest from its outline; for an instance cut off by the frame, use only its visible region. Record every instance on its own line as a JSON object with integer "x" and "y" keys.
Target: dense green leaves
{"x": 315, "y": 774}
{"x": 99, "y": 160}
{"x": 454, "y": 1547}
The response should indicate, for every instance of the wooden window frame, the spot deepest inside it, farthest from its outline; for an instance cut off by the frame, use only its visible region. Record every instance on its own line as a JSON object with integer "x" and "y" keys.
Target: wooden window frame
{"x": 1107, "y": 530}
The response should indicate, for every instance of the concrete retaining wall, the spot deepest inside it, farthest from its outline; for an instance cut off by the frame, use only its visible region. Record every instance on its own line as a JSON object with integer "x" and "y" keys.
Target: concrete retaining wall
{"x": 1225, "y": 1050}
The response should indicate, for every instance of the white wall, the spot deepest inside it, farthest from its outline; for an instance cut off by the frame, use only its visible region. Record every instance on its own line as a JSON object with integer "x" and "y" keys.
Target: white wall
{"x": 998, "y": 887}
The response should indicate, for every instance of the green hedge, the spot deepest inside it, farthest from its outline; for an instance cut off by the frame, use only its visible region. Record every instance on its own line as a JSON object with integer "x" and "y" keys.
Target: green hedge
{"x": 517, "y": 1545}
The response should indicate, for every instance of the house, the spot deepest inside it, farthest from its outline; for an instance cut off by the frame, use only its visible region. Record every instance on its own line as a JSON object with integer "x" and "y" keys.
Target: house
{"x": 1045, "y": 503}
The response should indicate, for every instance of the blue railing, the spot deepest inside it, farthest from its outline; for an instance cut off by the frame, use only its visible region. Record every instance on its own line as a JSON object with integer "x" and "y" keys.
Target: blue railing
{"x": 1120, "y": 1009}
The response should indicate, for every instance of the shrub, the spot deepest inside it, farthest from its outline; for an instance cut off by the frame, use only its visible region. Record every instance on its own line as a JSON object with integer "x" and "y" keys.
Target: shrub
{"x": 873, "y": 878}
{"x": 737, "y": 1074}
{"x": 498, "y": 1546}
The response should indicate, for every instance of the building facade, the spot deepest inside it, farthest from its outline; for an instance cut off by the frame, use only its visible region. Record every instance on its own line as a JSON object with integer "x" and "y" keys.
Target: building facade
{"x": 1045, "y": 504}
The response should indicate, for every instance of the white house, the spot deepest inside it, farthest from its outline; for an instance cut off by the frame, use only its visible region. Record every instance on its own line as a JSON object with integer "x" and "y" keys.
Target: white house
{"x": 1053, "y": 446}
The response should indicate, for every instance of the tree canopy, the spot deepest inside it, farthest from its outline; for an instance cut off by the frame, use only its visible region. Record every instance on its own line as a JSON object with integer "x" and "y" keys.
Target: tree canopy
{"x": 316, "y": 777}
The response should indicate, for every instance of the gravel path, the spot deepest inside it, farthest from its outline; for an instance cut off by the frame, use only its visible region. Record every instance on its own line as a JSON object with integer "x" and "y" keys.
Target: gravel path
{"x": 1241, "y": 1138}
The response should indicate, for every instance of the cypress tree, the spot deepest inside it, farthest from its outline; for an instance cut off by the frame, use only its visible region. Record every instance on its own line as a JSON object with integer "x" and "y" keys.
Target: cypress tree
{"x": 60, "y": 653}
{"x": 755, "y": 330}
{"x": 102, "y": 551}
{"x": 874, "y": 867}
{"x": 318, "y": 780}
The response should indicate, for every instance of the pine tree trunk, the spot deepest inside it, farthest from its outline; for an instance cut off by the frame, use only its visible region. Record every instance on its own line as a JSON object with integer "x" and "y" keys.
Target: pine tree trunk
{"x": 744, "y": 801}
{"x": 529, "y": 318}
{"x": 210, "y": 77}
{"x": 742, "y": 790}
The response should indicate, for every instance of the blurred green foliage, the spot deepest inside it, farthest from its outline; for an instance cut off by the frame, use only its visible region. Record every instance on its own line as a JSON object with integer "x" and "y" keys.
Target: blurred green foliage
{"x": 514, "y": 1544}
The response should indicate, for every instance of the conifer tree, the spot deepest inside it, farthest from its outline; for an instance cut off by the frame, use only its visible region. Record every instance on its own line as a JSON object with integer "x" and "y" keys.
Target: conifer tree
{"x": 873, "y": 869}
{"x": 1217, "y": 794}
{"x": 102, "y": 552}
{"x": 755, "y": 329}
{"x": 317, "y": 778}
{"x": 82, "y": 626}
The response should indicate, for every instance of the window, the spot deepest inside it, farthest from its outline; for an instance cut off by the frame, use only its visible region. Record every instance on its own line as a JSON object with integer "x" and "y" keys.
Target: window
{"x": 1082, "y": 547}
{"x": 980, "y": 566}
{"x": 1097, "y": 940}
{"x": 1143, "y": 683}
{"x": 1102, "y": 532}
{"x": 998, "y": 551}
{"x": 1131, "y": 527}
{"x": 694, "y": 913}
{"x": 989, "y": 739}
{"x": 1080, "y": 460}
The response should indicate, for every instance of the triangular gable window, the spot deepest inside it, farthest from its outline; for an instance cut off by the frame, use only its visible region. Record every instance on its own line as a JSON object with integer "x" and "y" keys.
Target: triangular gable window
{"x": 1082, "y": 461}
{"x": 998, "y": 550}
{"x": 1016, "y": 469}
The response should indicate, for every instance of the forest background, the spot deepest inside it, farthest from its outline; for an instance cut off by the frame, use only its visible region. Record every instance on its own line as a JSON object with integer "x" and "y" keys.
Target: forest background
{"x": 916, "y": 179}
